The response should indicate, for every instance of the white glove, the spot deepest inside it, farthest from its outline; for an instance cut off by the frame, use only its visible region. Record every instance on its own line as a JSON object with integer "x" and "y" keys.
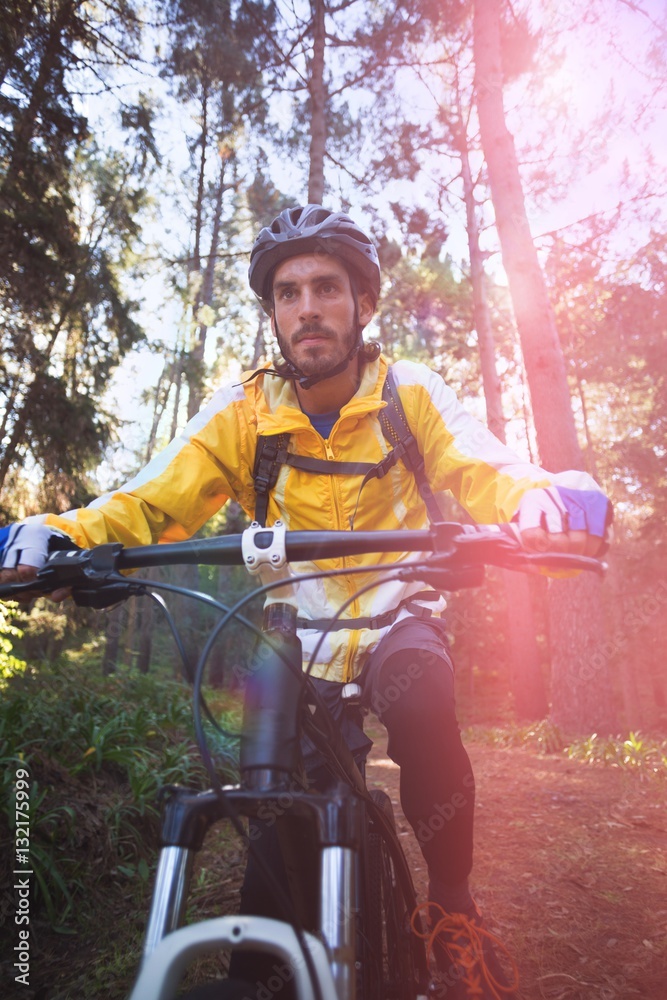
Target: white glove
{"x": 26, "y": 544}
{"x": 558, "y": 510}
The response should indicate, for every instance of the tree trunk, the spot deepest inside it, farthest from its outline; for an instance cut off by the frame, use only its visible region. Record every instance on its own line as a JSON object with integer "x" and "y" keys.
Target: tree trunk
{"x": 480, "y": 309}
{"x": 530, "y": 700}
{"x": 194, "y": 375}
{"x": 160, "y": 401}
{"x": 178, "y": 382}
{"x": 188, "y": 615}
{"x": 145, "y": 635}
{"x": 317, "y": 91}
{"x": 113, "y": 633}
{"x": 526, "y": 680}
{"x": 205, "y": 298}
{"x": 201, "y": 181}
{"x": 581, "y": 694}
{"x": 535, "y": 319}
{"x": 25, "y": 129}
{"x": 129, "y": 651}
{"x": 260, "y": 346}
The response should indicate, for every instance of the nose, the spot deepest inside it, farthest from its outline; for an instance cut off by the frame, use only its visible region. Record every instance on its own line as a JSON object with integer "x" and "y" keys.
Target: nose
{"x": 309, "y": 307}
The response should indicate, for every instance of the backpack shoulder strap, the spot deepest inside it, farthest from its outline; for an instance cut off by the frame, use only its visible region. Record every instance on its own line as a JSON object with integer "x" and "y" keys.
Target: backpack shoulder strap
{"x": 272, "y": 452}
{"x": 396, "y": 429}
{"x": 269, "y": 456}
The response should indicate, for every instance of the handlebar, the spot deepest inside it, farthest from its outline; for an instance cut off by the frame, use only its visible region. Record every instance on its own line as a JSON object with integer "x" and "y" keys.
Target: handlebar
{"x": 454, "y": 549}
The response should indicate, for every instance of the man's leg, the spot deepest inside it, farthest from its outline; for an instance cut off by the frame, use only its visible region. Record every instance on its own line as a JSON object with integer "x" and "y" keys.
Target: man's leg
{"x": 413, "y": 694}
{"x": 409, "y": 684}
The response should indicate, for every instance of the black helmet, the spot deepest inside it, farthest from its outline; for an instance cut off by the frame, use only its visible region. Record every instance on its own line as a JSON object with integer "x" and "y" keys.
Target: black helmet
{"x": 308, "y": 230}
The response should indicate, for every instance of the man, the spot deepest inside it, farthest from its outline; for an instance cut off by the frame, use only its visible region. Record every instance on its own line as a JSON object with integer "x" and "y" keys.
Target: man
{"x": 318, "y": 276}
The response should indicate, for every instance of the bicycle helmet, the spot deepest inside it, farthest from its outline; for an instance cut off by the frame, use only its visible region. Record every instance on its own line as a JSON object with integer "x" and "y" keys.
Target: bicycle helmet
{"x": 312, "y": 229}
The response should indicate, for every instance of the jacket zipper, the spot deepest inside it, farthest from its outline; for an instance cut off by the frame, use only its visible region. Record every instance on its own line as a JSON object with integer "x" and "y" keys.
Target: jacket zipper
{"x": 351, "y": 650}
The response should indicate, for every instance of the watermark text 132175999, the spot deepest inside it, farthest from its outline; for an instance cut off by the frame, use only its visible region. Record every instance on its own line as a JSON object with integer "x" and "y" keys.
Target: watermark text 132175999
{"x": 22, "y": 873}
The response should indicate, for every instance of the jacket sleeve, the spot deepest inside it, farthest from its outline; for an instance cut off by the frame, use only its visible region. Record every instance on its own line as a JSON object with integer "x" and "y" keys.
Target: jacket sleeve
{"x": 180, "y": 489}
{"x": 463, "y": 456}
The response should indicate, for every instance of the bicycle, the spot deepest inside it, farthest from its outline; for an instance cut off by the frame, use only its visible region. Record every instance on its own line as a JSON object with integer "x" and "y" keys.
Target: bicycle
{"x": 351, "y": 914}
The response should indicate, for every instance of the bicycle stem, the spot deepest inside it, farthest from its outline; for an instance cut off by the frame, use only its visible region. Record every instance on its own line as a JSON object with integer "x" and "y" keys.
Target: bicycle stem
{"x": 270, "y": 740}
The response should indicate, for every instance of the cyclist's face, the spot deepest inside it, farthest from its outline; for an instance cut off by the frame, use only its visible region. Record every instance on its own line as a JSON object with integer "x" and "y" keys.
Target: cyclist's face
{"x": 313, "y": 311}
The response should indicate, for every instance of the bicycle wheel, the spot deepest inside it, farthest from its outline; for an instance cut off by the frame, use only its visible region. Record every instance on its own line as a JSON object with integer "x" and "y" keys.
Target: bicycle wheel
{"x": 222, "y": 989}
{"x": 390, "y": 970}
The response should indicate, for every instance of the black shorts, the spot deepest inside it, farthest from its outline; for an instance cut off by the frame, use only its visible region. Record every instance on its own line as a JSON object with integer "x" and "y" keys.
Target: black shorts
{"x": 424, "y": 642}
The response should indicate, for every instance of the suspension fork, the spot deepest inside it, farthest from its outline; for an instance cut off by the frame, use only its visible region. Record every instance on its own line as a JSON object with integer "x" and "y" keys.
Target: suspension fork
{"x": 337, "y": 818}
{"x": 187, "y": 816}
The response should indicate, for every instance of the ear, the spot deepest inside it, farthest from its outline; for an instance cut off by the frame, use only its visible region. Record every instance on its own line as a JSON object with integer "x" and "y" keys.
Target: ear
{"x": 366, "y": 309}
{"x": 273, "y": 323}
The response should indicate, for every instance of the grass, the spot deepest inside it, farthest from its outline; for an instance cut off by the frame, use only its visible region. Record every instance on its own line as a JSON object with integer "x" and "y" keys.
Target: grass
{"x": 98, "y": 750}
{"x": 636, "y": 752}
{"x": 642, "y": 754}
{"x": 543, "y": 736}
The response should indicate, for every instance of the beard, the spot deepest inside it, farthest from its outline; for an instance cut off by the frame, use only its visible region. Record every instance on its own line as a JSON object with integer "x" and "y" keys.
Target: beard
{"x": 318, "y": 358}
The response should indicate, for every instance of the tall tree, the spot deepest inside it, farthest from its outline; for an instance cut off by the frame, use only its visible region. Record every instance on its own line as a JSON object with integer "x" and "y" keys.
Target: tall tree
{"x": 329, "y": 51}
{"x": 55, "y": 371}
{"x": 526, "y": 677}
{"x": 446, "y": 78}
{"x": 318, "y": 101}
{"x": 60, "y": 291}
{"x": 216, "y": 58}
{"x": 582, "y": 697}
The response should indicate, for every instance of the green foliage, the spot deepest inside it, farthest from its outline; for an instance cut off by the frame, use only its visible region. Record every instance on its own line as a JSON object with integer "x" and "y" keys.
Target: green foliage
{"x": 9, "y": 664}
{"x": 214, "y": 62}
{"x": 426, "y": 313}
{"x": 543, "y": 736}
{"x": 637, "y": 753}
{"x": 612, "y": 326}
{"x": 98, "y": 751}
{"x": 69, "y": 214}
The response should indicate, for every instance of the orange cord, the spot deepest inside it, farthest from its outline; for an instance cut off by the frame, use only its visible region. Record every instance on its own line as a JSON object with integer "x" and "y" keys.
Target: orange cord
{"x": 468, "y": 954}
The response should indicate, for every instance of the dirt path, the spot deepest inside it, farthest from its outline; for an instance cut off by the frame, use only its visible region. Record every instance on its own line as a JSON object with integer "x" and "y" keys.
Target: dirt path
{"x": 570, "y": 870}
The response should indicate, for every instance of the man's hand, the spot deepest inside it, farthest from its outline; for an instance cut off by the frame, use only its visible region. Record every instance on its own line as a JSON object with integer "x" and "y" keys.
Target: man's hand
{"x": 24, "y": 548}
{"x": 559, "y": 519}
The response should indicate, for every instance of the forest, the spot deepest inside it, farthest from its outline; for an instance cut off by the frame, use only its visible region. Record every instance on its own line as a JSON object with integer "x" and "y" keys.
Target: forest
{"x": 509, "y": 158}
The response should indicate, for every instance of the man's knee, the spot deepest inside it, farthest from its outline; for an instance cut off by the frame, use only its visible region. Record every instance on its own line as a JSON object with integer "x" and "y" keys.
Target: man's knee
{"x": 412, "y": 679}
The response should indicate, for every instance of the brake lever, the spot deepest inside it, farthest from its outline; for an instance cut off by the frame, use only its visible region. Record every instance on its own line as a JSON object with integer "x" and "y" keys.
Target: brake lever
{"x": 107, "y": 595}
{"x": 565, "y": 560}
{"x": 508, "y": 553}
{"x": 463, "y": 565}
{"x": 90, "y": 574}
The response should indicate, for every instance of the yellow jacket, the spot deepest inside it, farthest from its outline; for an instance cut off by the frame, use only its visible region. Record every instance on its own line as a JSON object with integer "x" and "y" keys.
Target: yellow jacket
{"x": 212, "y": 461}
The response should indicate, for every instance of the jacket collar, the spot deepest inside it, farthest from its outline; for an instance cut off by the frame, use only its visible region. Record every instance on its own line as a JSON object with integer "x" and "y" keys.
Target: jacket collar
{"x": 277, "y": 409}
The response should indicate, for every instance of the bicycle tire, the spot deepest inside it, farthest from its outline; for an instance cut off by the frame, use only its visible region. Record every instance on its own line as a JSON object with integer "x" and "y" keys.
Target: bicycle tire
{"x": 391, "y": 972}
